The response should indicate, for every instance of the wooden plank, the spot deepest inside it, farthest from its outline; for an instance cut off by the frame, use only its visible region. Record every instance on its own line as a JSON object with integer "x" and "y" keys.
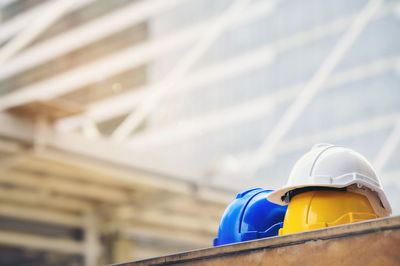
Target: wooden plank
{"x": 65, "y": 187}
{"x": 38, "y": 198}
{"x": 40, "y": 242}
{"x": 40, "y": 214}
{"x": 93, "y": 175}
{"x": 52, "y": 109}
{"x": 374, "y": 242}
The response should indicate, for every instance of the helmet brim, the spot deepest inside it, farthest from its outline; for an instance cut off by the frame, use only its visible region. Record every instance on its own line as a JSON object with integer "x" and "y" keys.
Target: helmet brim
{"x": 277, "y": 196}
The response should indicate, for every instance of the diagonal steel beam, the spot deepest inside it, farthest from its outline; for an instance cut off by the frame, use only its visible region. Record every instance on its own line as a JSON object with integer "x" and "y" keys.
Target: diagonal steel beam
{"x": 268, "y": 147}
{"x": 15, "y": 25}
{"x": 241, "y": 114}
{"x": 52, "y": 12}
{"x": 116, "y": 63}
{"x": 121, "y": 104}
{"x": 90, "y": 32}
{"x": 338, "y": 134}
{"x": 135, "y": 118}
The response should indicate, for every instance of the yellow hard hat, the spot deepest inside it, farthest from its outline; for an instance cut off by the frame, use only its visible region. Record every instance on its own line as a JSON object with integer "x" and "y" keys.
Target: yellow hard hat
{"x": 325, "y": 207}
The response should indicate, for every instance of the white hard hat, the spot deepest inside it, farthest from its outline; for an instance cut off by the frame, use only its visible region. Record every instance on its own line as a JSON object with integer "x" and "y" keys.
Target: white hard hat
{"x": 332, "y": 166}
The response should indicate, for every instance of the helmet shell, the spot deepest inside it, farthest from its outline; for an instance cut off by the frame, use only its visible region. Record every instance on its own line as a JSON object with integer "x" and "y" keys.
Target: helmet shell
{"x": 324, "y": 208}
{"x": 332, "y": 166}
{"x": 250, "y": 216}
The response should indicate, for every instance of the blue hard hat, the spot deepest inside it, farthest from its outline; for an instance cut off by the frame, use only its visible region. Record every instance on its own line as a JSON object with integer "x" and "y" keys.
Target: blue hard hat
{"x": 250, "y": 216}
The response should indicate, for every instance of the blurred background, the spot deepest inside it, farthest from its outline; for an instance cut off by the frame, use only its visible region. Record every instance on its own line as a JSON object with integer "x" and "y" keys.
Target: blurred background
{"x": 126, "y": 127}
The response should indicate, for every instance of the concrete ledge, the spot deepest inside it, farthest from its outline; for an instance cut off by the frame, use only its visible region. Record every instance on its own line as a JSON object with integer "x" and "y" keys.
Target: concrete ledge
{"x": 374, "y": 242}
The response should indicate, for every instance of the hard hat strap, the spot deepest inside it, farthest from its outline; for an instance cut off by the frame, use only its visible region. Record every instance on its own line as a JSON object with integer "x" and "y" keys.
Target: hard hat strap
{"x": 290, "y": 194}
